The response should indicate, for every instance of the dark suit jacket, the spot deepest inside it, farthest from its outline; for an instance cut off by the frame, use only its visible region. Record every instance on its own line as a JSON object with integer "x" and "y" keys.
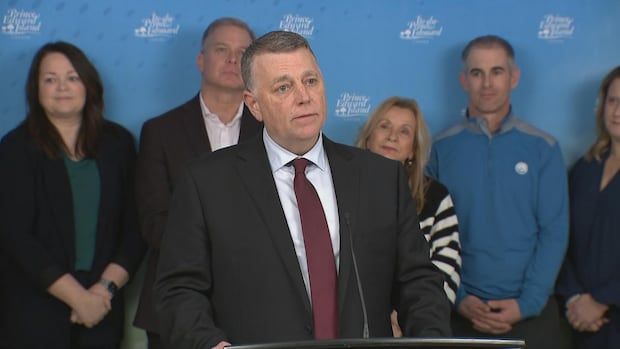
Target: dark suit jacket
{"x": 228, "y": 269}
{"x": 37, "y": 237}
{"x": 167, "y": 143}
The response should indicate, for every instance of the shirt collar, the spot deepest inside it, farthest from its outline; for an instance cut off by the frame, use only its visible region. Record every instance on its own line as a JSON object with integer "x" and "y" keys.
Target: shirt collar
{"x": 479, "y": 124}
{"x": 207, "y": 114}
{"x": 280, "y": 157}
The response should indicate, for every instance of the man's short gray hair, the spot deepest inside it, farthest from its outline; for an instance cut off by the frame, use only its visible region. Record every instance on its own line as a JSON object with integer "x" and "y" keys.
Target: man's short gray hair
{"x": 272, "y": 42}
{"x": 220, "y": 22}
{"x": 488, "y": 41}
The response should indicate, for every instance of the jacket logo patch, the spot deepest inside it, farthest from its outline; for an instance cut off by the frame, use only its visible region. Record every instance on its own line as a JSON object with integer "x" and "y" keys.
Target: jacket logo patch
{"x": 521, "y": 168}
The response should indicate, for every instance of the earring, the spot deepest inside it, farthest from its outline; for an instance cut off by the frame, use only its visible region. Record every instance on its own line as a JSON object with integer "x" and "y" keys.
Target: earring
{"x": 409, "y": 162}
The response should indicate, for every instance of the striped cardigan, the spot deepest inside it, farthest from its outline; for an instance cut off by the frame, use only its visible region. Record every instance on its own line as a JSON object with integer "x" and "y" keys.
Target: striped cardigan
{"x": 439, "y": 224}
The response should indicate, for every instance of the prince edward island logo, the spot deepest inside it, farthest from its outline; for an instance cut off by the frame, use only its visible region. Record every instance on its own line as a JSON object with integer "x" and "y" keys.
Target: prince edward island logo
{"x": 157, "y": 27}
{"x": 553, "y": 27}
{"x": 422, "y": 29}
{"x": 352, "y": 104}
{"x": 21, "y": 23}
{"x": 301, "y": 25}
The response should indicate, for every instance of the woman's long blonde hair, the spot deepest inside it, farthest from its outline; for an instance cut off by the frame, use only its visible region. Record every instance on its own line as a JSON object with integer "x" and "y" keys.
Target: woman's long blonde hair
{"x": 603, "y": 139}
{"x": 421, "y": 144}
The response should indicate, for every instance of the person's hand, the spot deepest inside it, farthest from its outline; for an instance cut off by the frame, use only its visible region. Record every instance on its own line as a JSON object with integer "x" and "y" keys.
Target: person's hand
{"x": 490, "y": 325}
{"x": 479, "y": 313}
{"x": 505, "y": 310}
{"x": 221, "y": 345}
{"x": 596, "y": 325}
{"x": 586, "y": 314}
{"x": 90, "y": 309}
{"x": 97, "y": 289}
{"x": 396, "y": 331}
{"x": 101, "y": 290}
{"x": 473, "y": 307}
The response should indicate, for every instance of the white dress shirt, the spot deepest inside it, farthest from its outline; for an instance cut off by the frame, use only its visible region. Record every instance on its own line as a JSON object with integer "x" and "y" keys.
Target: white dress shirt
{"x": 221, "y": 135}
{"x": 319, "y": 174}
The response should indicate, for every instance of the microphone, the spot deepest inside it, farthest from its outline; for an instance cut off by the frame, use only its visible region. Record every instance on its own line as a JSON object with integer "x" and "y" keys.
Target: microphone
{"x": 365, "y": 331}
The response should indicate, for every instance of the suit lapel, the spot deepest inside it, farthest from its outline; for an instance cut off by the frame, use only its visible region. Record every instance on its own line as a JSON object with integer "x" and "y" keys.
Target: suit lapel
{"x": 255, "y": 172}
{"x": 58, "y": 188}
{"x": 194, "y": 126}
{"x": 346, "y": 184}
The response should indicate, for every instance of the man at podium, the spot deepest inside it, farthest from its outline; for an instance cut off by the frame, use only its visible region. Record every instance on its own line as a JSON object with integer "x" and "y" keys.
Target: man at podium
{"x": 328, "y": 243}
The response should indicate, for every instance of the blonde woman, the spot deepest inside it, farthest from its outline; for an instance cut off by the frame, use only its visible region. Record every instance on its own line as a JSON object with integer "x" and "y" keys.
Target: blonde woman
{"x": 397, "y": 130}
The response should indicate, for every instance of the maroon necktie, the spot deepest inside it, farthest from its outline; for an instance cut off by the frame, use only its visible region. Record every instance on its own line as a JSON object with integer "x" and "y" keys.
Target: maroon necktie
{"x": 319, "y": 255}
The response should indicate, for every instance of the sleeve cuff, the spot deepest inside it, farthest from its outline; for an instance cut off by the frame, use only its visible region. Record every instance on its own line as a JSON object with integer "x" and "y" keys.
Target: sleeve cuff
{"x": 460, "y": 294}
{"x": 528, "y": 308}
{"x": 49, "y": 275}
{"x": 572, "y": 299}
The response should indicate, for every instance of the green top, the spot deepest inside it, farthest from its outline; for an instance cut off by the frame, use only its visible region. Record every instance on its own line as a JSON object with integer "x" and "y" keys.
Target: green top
{"x": 85, "y": 189}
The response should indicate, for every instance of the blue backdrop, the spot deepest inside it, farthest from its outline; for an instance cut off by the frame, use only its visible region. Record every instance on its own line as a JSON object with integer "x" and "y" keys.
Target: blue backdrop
{"x": 368, "y": 49}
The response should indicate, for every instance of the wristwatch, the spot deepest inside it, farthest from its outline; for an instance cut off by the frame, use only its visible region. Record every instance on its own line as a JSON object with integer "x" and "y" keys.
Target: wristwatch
{"x": 110, "y": 286}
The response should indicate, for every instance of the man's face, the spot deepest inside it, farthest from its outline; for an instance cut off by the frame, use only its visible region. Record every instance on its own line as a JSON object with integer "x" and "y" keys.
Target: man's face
{"x": 288, "y": 95}
{"x": 219, "y": 61}
{"x": 489, "y": 77}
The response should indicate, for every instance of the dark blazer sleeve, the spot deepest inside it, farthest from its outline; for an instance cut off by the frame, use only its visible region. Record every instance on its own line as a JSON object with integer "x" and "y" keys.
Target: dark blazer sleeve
{"x": 608, "y": 293}
{"x": 184, "y": 279}
{"x": 132, "y": 246}
{"x": 568, "y": 284}
{"x": 18, "y": 208}
{"x": 153, "y": 184}
{"x": 423, "y": 308}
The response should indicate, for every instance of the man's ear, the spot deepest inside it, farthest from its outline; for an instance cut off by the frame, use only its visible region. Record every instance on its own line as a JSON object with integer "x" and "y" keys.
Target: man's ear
{"x": 515, "y": 76}
{"x": 200, "y": 61}
{"x": 252, "y": 103}
{"x": 463, "y": 80}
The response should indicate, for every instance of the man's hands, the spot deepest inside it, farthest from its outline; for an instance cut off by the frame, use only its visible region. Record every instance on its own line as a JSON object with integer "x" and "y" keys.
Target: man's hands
{"x": 586, "y": 314}
{"x": 495, "y": 317}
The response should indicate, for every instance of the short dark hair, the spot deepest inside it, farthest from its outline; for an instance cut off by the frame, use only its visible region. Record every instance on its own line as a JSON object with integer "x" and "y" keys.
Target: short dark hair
{"x": 272, "y": 42}
{"x": 488, "y": 41}
{"x": 39, "y": 126}
{"x": 220, "y": 22}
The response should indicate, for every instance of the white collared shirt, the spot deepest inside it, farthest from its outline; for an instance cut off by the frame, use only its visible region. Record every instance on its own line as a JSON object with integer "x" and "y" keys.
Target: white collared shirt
{"x": 319, "y": 174}
{"x": 221, "y": 135}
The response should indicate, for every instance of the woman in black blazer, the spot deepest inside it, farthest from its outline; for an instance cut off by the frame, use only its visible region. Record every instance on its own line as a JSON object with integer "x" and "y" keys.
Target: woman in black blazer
{"x": 69, "y": 238}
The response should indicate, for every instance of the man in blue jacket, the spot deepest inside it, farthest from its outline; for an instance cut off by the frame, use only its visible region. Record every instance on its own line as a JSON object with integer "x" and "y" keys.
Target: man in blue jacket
{"x": 508, "y": 181}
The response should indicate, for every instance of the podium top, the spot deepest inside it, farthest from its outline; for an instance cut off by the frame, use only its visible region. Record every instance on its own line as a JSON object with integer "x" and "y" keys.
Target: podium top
{"x": 393, "y": 343}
